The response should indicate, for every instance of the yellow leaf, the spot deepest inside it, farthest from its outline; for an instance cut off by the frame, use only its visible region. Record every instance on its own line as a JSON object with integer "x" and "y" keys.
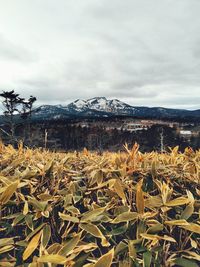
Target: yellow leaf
{"x": 193, "y": 255}
{"x": 193, "y": 243}
{"x": 126, "y": 217}
{"x": 53, "y": 258}
{"x": 85, "y": 152}
{"x": 140, "y": 198}
{"x": 8, "y": 192}
{"x": 86, "y": 247}
{"x": 6, "y": 241}
{"x": 110, "y": 183}
{"x": 105, "y": 260}
{"x": 66, "y": 217}
{"x": 177, "y": 222}
{"x": 190, "y": 196}
{"x": 118, "y": 187}
{"x": 177, "y": 202}
{"x": 166, "y": 191}
{"x": 192, "y": 227}
{"x": 25, "y": 210}
{"x": 7, "y": 264}
{"x": 153, "y": 202}
{"x": 168, "y": 238}
{"x": 131, "y": 248}
{"x": 6, "y": 248}
{"x": 4, "y": 180}
{"x": 157, "y": 237}
{"x": 149, "y": 236}
{"x": 33, "y": 244}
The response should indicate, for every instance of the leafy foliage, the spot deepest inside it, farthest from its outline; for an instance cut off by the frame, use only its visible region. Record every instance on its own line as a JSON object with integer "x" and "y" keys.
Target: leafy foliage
{"x": 84, "y": 209}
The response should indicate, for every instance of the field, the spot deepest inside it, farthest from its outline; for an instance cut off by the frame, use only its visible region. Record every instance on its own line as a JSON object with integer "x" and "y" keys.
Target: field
{"x": 86, "y": 209}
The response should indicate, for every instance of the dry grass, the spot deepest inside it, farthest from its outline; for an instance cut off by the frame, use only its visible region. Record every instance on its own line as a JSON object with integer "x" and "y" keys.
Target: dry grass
{"x": 84, "y": 209}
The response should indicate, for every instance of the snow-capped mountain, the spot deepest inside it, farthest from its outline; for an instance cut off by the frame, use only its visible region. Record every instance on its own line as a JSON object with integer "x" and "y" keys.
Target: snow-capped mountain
{"x": 101, "y": 104}
{"x": 98, "y": 107}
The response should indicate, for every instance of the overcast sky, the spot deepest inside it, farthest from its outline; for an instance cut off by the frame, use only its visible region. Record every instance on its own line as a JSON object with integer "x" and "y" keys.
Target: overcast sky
{"x": 143, "y": 52}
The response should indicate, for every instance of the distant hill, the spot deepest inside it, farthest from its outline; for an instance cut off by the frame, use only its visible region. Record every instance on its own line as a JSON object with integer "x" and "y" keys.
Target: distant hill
{"x": 100, "y": 107}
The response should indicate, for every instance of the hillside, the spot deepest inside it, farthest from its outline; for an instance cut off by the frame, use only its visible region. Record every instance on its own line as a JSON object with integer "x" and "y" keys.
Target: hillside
{"x": 86, "y": 209}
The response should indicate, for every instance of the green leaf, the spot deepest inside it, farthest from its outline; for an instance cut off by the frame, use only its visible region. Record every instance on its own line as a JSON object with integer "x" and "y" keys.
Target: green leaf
{"x": 185, "y": 263}
{"x": 18, "y": 219}
{"x": 155, "y": 228}
{"x": 46, "y": 234}
{"x": 95, "y": 231}
{"x": 92, "y": 215}
{"x": 188, "y": 211}
{"x": 119, "y": 230}
{"x": 80, "y": 260}
{"x": 120, "y": 248}
{"x": 147, "y": 257}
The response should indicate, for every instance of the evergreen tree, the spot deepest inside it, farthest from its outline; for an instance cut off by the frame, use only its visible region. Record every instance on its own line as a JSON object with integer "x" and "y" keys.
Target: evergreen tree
{"x": 13, "y": 105}
{"x": 11, "y": 101}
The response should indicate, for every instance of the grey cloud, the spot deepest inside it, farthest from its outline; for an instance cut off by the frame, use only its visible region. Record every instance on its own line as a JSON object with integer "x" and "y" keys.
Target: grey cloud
{"x": 11, "y": 51}
{"x": 144, "y": 52}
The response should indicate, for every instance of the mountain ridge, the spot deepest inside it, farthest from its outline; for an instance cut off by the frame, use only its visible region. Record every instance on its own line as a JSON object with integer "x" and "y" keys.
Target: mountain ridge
{"x": 103, "y": 107}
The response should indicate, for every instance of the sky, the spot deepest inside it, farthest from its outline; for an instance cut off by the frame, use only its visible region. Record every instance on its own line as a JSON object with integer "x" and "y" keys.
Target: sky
{"x": 143, "y": 52}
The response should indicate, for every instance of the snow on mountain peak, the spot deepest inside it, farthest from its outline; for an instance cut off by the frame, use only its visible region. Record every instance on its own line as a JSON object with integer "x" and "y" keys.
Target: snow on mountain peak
{"x": 100, "y": 104}
{"x": 79, "y": 103}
